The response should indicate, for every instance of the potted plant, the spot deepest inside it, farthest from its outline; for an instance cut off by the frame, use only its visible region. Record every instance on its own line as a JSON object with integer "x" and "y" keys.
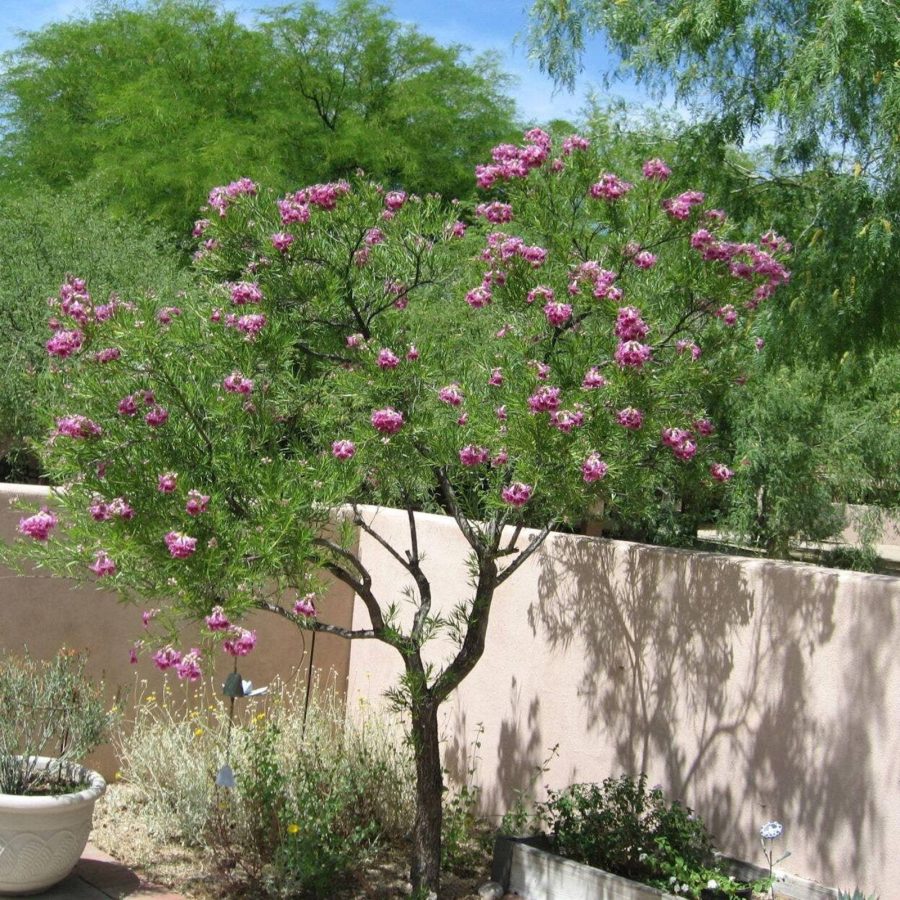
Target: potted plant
{"x": 53, "y": 715}
{"x": 633, "y": 837}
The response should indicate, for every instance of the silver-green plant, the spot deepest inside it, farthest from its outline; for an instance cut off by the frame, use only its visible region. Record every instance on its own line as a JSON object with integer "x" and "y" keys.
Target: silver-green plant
{"x": 50, "y": 708}
{"x": 856, "y": 895}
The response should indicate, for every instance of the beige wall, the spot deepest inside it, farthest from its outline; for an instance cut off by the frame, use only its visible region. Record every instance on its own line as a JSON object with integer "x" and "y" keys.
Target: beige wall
{"x": 44, "y": 613}
{"x": 751, "y": 688}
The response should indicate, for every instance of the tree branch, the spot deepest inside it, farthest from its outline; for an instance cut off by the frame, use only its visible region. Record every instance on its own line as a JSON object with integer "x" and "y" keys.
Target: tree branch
{"x": 533, "y": 545}
{"x": 315, "y": 624}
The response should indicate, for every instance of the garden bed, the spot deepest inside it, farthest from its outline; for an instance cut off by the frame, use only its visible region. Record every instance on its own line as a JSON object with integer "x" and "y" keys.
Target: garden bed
{"x": 528, "y": 867}
{"x": 120, "y": 831}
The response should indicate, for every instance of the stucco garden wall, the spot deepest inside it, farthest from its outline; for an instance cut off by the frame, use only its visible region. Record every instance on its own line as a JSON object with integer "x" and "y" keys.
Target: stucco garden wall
{"x": 753, "y": 689}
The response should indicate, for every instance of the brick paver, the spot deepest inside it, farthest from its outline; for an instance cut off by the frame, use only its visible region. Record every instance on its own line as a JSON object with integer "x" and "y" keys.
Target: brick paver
{"x": 100, "y": 877}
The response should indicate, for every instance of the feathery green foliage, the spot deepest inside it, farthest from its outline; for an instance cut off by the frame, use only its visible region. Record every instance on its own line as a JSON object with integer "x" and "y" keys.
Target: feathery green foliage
{"x": 158, "y": 101}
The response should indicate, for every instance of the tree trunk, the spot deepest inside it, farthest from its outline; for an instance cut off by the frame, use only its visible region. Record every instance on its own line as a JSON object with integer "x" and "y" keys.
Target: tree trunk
{"x": 426, "y": 860}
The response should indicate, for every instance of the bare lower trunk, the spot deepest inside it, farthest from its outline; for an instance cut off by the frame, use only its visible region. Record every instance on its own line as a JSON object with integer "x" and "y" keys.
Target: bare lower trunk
{"x": 426, "y": 860}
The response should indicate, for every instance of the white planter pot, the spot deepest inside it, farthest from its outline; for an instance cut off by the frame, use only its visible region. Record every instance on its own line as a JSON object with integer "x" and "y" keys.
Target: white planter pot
{"x": 528, "y": 867}
{"x": 42, "y": 838}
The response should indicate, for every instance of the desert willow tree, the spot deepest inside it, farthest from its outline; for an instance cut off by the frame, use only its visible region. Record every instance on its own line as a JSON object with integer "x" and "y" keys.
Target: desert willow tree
{"x": 347, "y": 346}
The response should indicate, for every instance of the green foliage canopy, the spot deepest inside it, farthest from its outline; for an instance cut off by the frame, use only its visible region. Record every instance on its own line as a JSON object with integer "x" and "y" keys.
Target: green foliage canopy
{"x": 155, "y": 102}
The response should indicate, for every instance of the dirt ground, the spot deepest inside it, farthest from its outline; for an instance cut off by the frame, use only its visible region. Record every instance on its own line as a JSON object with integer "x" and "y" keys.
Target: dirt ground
{"x": 119, "y": 831}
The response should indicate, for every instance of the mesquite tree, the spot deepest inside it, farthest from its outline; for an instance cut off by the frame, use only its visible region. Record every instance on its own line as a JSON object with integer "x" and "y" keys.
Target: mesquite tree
{"x": 345, "y": 346}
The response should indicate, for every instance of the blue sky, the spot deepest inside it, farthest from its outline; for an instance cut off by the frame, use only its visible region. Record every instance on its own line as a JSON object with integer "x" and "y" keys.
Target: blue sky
{"x": 484, "y": 25}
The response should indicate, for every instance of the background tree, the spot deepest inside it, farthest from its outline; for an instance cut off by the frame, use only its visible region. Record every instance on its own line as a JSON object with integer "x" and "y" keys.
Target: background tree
{"x": 154, "y": 102}
{"x": 344, "y": 346}
{"x": 821, "y": 82}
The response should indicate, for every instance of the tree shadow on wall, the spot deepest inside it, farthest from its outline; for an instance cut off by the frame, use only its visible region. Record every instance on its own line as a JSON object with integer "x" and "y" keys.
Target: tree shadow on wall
{"x": 688, "y": 669}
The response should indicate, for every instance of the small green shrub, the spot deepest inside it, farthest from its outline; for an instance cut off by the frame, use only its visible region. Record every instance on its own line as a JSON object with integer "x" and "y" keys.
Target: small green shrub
{"x": 625, "y": 829}
{"x": 314, "y": 794}
{"x": 622, "y": 827}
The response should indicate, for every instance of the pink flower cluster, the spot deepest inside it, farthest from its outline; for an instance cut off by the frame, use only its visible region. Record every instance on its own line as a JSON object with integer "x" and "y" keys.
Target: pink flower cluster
{"x": 128, "y": 406}
{"x": 282, "y": 241}
{"x": 681, "y": 442}
{"x": 236, "y": 383}
{"x": 502, "y": 248}
{"x": 343, "y": 450}
{"x": 517, "y": 494}
{"x": 102, "y": 564}
{"x": 39, "y": 525}
{"x": 600, "y": 280}
{"x": 574, "y": 142}
{"x": 167, "y": 482}
{"x": 75, "y": 301}
{"x": 557, "y": 313}
{"x": 544, "y": 399}
{"x": 325, "y": 196}
{"x": 243, "y": 292}
{"x": 220, "y": 198}
{"x": 470, "y": 455}
{"x": 644, "y": 259}
{"x": 451, "y": 395}
{"x": 217, "y": 620}
{"x": 295, "y": 207}
{"x": 565, "y": 420}
{"x": 395, "y": 200}
{"x": 495, "y": 212}
{"x": 510, "y": 161}
{"x": 166, "y": 314}
{"x": 656, "y": 170}
{"x": 593, "y": 468}
{"x": 180, "y": 546}
{"x": 387, "y": 421}
{"x": 108, "y": 354}
{"x": 721, "y": 472}
{"x": 187, "y": 667}
{"x": 630, "y": 418}
{"x": 610, "y": 188}
{"x": 250, "y": 325}
{"x": 293, "y": 210}
{"x": 540, "y": 292}
{"x": 632, "y": 354}
{"x": 77, "y": 427}
{"x": 241, "y": 641}
{"x": 629, "y": 324}
{"x": 746, "y": 261}
{"x": 728, "y": 314}
{"x": 684, "y": 346}
{"x": 306, "y": 606}
{"x": 593, "y": 378}
{"x": 64, "y": 343}
{"x": 387, "y": 359}
{"x": 158, "y": 415}
{"x": 101, "y": 511}
{"x": 197, "y": 503}
{"x": 680, "y": 207}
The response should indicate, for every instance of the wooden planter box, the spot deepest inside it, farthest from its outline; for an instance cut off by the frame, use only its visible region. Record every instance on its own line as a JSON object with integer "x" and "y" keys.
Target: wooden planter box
{"x": 526, "y": 866}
